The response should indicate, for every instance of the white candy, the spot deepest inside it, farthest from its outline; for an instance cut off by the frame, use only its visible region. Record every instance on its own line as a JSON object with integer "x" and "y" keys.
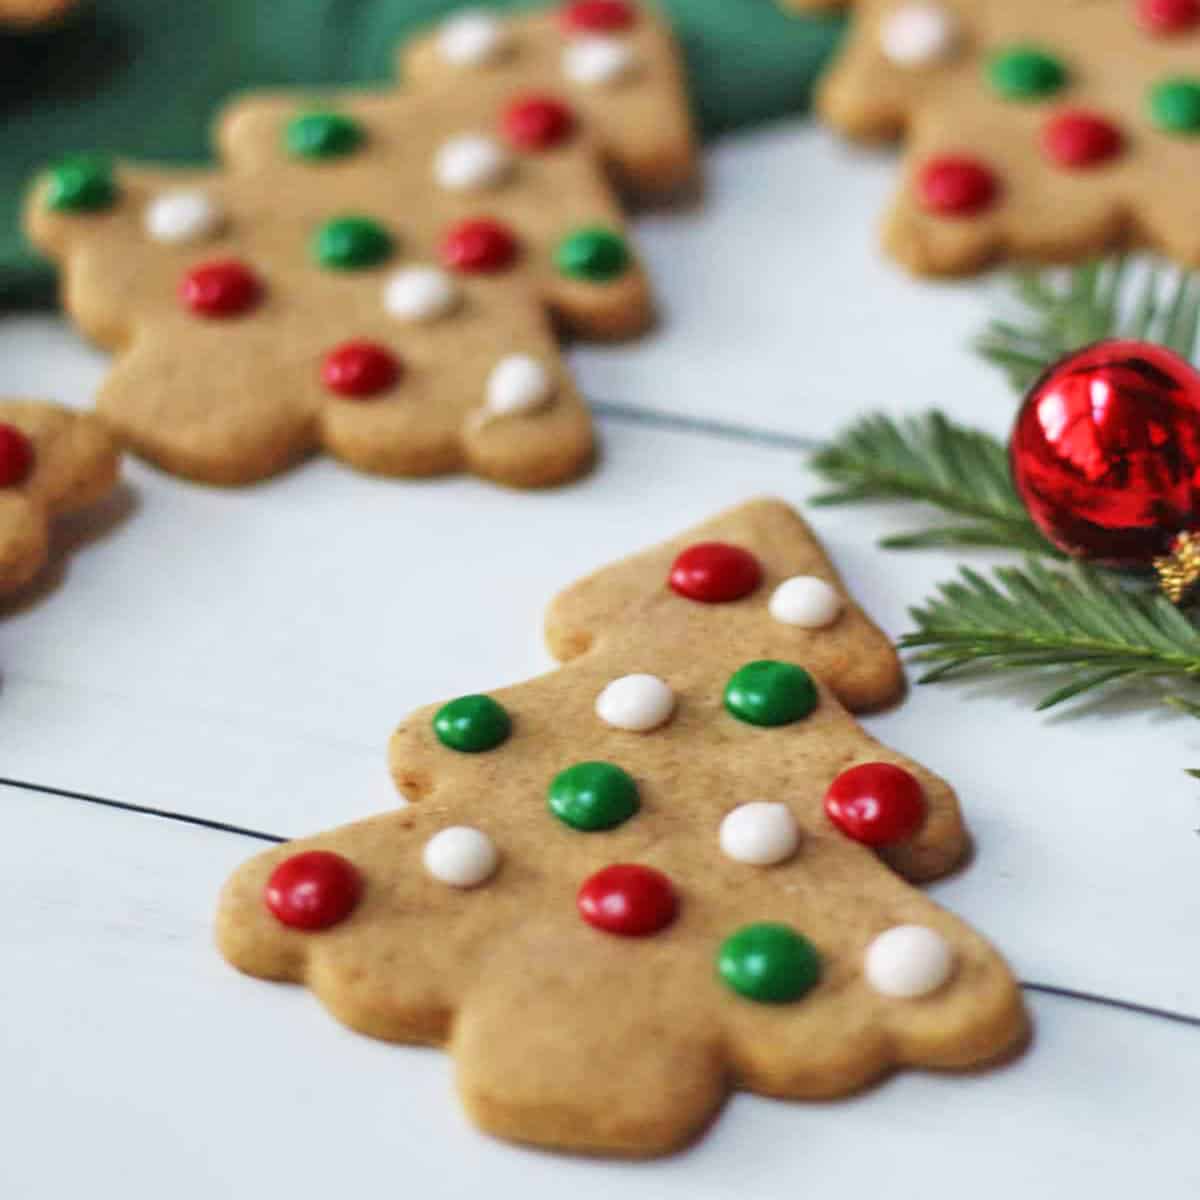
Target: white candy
{"x": 469, "y": 162}
{"x": 419, "y": 294}
{"x": 471, "y": 38}
{"x": 916, "y": 35}
{"x": 638, "y": 703}
{"x": 908, "y": 961}
{"x": 182, "y": 216}
{"x": 461, "y": 856}
{"x": 806, "y": 601}
{"x": 517, "y": 384}
{"x": 595, "y": 60}
{"x": 761, "y": 833}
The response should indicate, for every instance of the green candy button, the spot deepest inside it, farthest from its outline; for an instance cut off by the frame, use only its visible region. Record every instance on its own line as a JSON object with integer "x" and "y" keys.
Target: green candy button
{"x": 82, "y": 183}
{"x": 593, "y": 795}
{"x": 1175, "y": 105}
{"x": 595, "y": 255}
{"x": 768, "y": 963}
{"x": 472, "y": 724}
{"x": 770, "y": 693}
{"x": 1025, "y": 73}
{"x": 348, "y": 243}
{"x": 322, "y": 135}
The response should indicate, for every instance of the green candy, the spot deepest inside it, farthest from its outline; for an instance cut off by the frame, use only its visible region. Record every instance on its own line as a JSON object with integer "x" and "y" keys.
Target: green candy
{"x": 81, "y": 183}
{"x": 322, "y": 135}
{"x": 472, "y": 724}
{"x": 1175, "y": 105}
{"x": 770, "y": 693}
{"x": 595, "y": 255}
{"x": 593, "y": 795}
{"x": 768, "y": 963}
{"x": 1025, "y": 73}
{"x": 348, "y": 243}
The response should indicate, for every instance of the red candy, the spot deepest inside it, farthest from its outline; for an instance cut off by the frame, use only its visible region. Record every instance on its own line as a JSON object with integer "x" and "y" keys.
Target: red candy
{"x": 628, "y": 899}
{"x": 480, "y": 246}
{"x": 715, "y": 573}
{"x": 1168, "y": 16}
{"x": 596, "y": 16}
{"x": 16, "y": 455}
{"x": 956, "y": 186}
{"x": 220, "y": 289}
{"x": 359, "y": 369}
{"x": 1077, "y": 138}
{"x": 313, "y": 890}
{"x": 537, "y": 123}
{"x": 876, "y": 804}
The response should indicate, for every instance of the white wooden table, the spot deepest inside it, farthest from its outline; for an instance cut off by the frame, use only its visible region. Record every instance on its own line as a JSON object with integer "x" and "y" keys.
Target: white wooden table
{"x": 240, "y": 657}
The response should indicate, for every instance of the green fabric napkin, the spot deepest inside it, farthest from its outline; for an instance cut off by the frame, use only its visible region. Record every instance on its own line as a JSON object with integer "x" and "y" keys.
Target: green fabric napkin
{"x": 143, "y": 78}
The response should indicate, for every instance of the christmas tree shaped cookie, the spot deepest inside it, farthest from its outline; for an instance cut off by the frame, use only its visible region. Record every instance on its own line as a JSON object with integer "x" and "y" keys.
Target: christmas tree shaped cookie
{"x": 377, "y": 274}
{"x": 672, "y": 867}
{"x": 52, "y": 462}
{"x": 1046, "y": 131}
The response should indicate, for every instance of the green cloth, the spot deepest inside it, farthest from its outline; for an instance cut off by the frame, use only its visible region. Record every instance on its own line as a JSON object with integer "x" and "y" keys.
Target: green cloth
{"x": 143, "y": 78}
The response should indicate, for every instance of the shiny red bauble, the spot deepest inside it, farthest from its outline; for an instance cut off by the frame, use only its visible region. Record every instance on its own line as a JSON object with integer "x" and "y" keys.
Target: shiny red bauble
{"x": 956, "y": 185}
{"x": 876, "y": 803}
{"x": 16, "y": 455}
{"x": 479, "y": 246}
{"x": 1168, "y": 16}
{"x": 596, "y": 16}
{"x": 628, "y": 899}
{"x": 226, "y": 288}
{"x": 359, "y": 368}
{"x": 313, "y": 890}
{"x": 1077, "y": 138}
{"x": 537, "y": 123}
{"x": 715, "y": 573}
{"x": 1105, "y": 454}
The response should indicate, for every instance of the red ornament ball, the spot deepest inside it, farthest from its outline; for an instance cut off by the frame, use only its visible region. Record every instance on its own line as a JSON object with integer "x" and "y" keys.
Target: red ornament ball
{"x": 715, "y": 573}
{"x": 16, "y": 455}
{"x": 313, "y": 890}
{"x": 537, "y": 123}
{"x": 1106, "y": 452}
{"x": 596, "y": 16}
{"x": 628, "y": 899}
{"x": 220, "y": 289}
{"x": 876, "y": 804}
{"x": 479, "y": 247}
{"x": 359, "y": 368}
{"x": 1168, "y": 16}
{"x": 1077, "y": 138}
{"x": 955, "y": 185}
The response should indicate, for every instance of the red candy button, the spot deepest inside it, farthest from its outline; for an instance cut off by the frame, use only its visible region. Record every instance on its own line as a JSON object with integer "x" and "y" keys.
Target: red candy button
{"x": 479, "y": 247}
{"x": 16, "y": 455}
{"x": 359, "y": 369}
{"x": 537, "y": 123}
{"x": 596, "y": 16}
{"x": 220, "y": 289}
{"x": 627, "y": 899}
{"x": 1080, "y": 139}
{"x": 1168, "y": 16}
{"x": 955, "y": 186}
{"x": 876, "y": 804}
{"x": 313, "y": 890}
{"x": 714, "y": 573}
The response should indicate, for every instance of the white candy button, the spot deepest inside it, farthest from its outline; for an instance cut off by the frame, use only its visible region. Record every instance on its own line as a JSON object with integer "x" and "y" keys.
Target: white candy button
{"x": 594, "y": 60}
{"x": 461, "y": 856}
{"x": 517, "y": 384}
{"x": 471, "y": 38}
{"x": 908, "y": 961}
{"x": 419, "y": 294}
{"x": 470, "y": 161}
{"x": 638, "y": 703}
{"x": 915, "y": 35}
{"x": 807, "y": 601}
{"x": 761, "y": 833}
{"x": 182, "y": 216}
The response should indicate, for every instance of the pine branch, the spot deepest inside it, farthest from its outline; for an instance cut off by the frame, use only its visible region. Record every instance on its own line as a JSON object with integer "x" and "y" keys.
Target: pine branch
{"x": 931, "y": 460}
{"x": 1084, "y": 626}
{"x": 1088, "y": 304}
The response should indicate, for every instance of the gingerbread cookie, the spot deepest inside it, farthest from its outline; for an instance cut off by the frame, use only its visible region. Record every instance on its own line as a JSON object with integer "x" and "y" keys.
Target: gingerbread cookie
{"x": 672, "y": 867}
{"x": 52, "y": 461}
{"x": 376, "y": 274}
{"x": 1033, "y": 130}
